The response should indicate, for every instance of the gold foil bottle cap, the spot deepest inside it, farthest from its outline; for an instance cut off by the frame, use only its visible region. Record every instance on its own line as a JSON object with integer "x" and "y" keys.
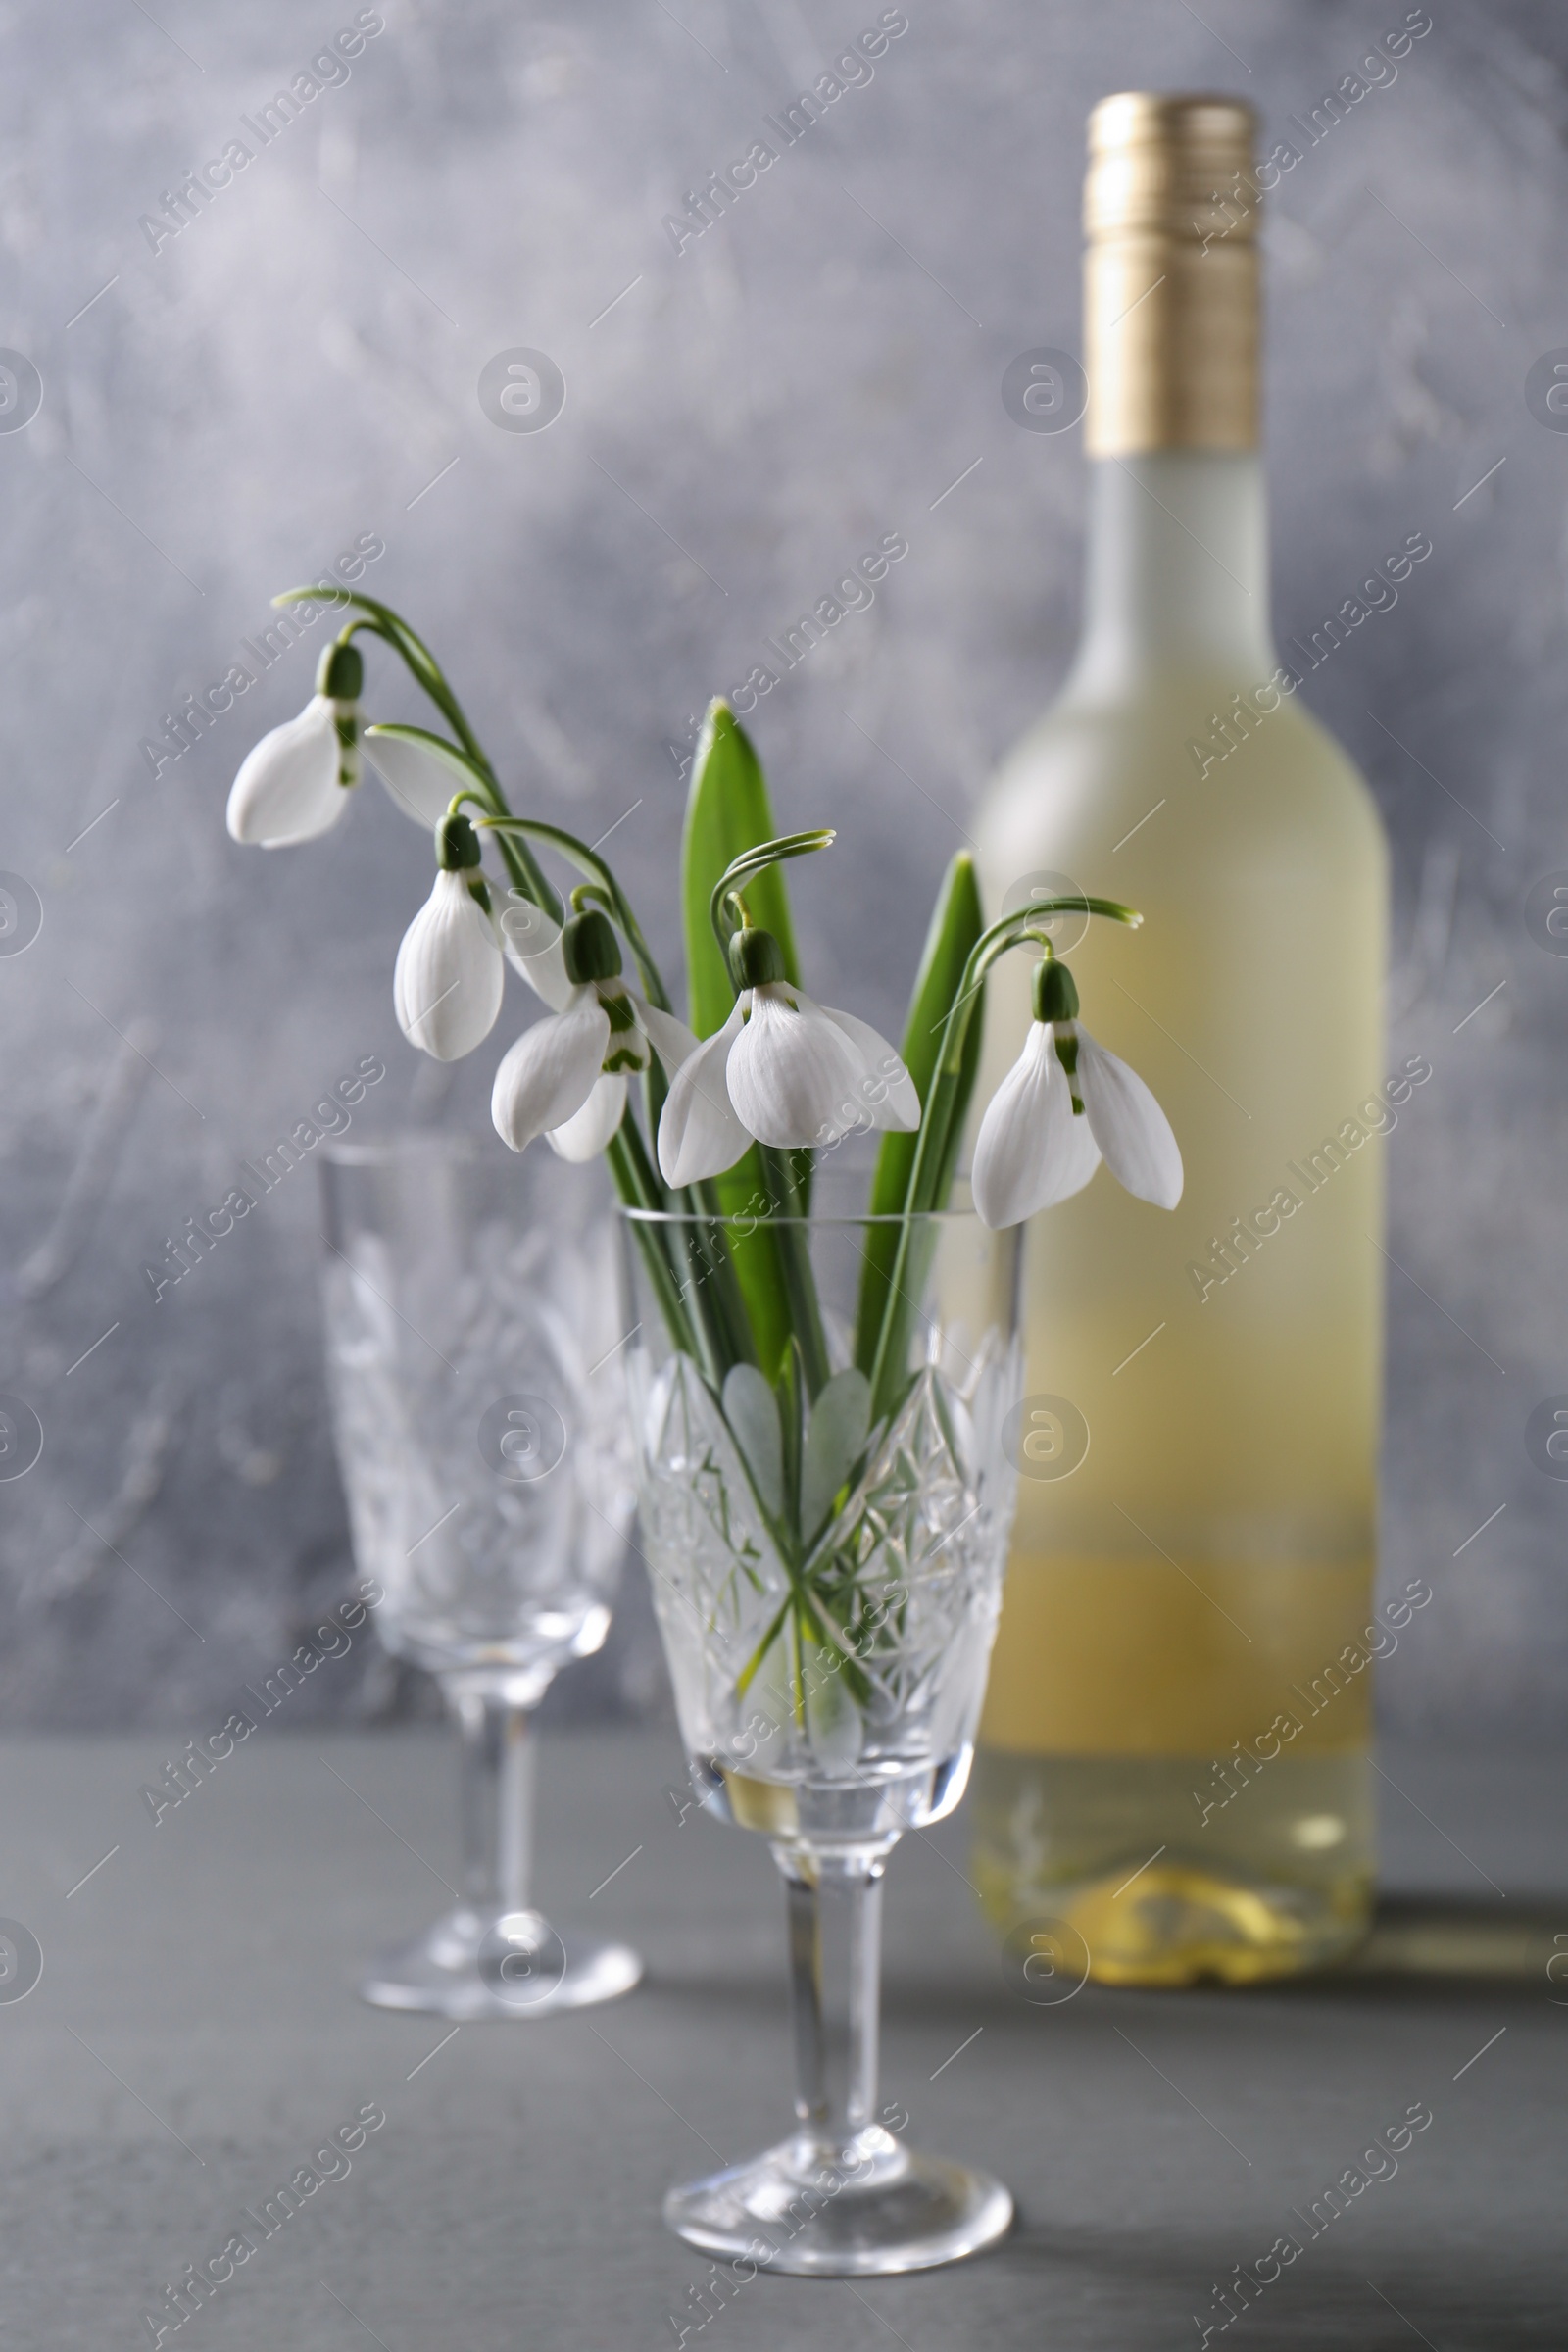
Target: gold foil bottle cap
{"x": 1170, "y": 210}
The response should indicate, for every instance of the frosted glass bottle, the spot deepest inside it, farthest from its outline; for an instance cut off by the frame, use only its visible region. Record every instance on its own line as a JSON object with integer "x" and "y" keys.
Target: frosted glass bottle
{"x": 1174, "y": 1760}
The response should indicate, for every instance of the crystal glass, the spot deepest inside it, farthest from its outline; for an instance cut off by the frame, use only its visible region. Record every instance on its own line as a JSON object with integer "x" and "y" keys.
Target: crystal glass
{"x": 826, "y": 1551}
{"x": 479, "y": 1410}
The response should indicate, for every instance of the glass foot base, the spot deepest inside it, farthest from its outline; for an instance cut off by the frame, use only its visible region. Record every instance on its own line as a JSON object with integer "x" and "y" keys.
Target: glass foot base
{"x": 860, "y": 2211}
{"x": 475, "y": 1963}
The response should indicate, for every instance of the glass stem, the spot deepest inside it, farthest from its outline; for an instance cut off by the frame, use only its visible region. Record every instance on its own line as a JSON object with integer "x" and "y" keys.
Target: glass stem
{"x": 497, "y": 1797}
{"x": 835, "y": 1927}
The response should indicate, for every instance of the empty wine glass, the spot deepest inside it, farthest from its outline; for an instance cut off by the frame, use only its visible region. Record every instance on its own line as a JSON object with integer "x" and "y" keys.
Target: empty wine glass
{"x": 470, "y": 1348}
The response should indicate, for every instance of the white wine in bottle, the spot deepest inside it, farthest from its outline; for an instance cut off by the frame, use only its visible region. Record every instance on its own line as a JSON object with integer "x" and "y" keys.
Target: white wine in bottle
{"x": 1174, "y": 1760}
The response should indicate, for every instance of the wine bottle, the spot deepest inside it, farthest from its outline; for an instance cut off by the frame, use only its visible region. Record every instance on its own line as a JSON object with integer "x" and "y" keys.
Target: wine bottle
{"x": 1175, "y": 1766}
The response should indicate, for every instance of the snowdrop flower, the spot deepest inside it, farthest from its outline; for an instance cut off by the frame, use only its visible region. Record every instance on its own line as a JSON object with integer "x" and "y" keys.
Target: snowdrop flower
{"x": 450, "y": 972}
{"x": 292, "y": 785}
{"x": 534, "y": 947}
{"x": 565, "y": 1077}
{"x": 783, "y": 1070}
{"x": 420, "y": 783}
{"x": 1063, "y": 1106}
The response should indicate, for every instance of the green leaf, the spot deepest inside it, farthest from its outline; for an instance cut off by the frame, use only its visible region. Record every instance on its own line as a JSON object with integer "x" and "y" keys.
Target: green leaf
{"x": 790, "y": 1391}
{"x": 728, "y": 813}
{"x": 956, "y": 923}
{"x": 834, "y": 1724}
{"x": 751, "y": 1411}
{"x": 835, "y": 1438}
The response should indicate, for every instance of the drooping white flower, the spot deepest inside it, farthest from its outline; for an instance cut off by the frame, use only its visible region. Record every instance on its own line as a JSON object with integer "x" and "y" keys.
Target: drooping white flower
{"x": 293, "y": 784}
{"x": 700, "y": 1132}
{"x": 586, "y": 1133}
{"x": 1127, "y": 1123}
{"x": 783, "y": 1070}
{"x": 565, "y": 1078}
{"x": 1065, "y": 1104}
{"x": 450, "y": 974}
{"x": 800, "y": 1072}
{"x": 417, "y": 780}
{"x": 533, "y": 946}
{"x": 546, "y": 1078}
{"x": 1031, "y": 1151}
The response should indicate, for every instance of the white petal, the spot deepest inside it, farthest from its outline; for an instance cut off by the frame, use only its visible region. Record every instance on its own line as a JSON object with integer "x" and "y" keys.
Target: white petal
{"x": 628, "y": 1046}
{"x": 1129, "y": 1126}
{"x": 287, "y": 788}
{"x": 698, "y": 1133}
{"x": 585, "y": 1135}
{"x": 422, "y": 785}
{"x": 793, "y": 1074}
{"x": 450, "y": 975}
{"x": 670, "y": 1039}
{"x": 889, "y": 1093}
{"x": 532, "y": 941}
{"x": 547, "y": 1076}
{"x": 1032, "y": 1151}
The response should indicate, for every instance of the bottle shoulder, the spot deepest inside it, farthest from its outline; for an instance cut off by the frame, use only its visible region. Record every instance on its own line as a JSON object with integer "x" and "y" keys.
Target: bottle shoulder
{"x": 1243, "y": 769}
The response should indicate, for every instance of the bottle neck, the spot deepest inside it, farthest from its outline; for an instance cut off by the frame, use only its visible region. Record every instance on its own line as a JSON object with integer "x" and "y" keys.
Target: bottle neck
{"x": 1177, "y": 570}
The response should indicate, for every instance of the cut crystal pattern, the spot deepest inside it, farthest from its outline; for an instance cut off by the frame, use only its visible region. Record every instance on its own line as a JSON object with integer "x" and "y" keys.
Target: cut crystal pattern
{"x": 906, "y": 1579}
{"x": 482, "y": 1557}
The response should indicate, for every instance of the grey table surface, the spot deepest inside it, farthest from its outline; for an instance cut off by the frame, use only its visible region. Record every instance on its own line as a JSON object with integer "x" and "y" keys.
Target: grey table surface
{"x": 194, "y": 2037}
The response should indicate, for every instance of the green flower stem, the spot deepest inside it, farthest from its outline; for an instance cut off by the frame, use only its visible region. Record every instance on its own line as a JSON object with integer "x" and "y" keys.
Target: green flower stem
{"x": 703, "y": 1200}
{"x": 776, "y": 1285}
{"x": 526, "y": 875}
{"x": 480, "y": 785}
{"x": 800, "y": 1610}
{"x": 529, "y": 877}
{"x": 690, "y": 1287}
{"x": 726, "y": 916}
{"x": 627, "y": 1167}
{"x": 728, "y": 1307}
{"x": 795, "y": 1264}
{"x": 428, "y": 674}
{"x": 590, "y": 862}
{"x": 699, "y": 1271}
{"x": 415, "y": 652}
{"x": 634, "y": 1178}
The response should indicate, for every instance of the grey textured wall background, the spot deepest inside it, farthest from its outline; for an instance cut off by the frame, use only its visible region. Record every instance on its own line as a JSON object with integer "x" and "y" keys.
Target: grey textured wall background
{"x": 298, "y": 366}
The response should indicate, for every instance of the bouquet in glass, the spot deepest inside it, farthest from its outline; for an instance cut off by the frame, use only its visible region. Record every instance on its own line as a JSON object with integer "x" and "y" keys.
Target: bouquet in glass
{"x": 824, "y": 1393}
